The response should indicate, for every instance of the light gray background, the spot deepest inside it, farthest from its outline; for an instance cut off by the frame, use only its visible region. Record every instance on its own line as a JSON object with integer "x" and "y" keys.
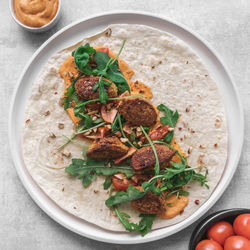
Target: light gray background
{"x": 225, "y": 24}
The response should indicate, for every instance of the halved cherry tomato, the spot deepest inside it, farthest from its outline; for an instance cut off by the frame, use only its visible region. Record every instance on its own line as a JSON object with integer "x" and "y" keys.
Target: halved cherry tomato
{"x": 159, "y": 133}
{"x": 106, "y": 50}
{"x": 120, "y": 185}
{"x": 220, "y": 231}
{"x": 241, "y": 225}
{"x": 208, "y": 245}
{"x": 237, "y": 243}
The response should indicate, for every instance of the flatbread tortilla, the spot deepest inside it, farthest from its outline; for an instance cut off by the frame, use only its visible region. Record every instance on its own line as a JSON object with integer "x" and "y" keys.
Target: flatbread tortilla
{"x": 177, "y": 78}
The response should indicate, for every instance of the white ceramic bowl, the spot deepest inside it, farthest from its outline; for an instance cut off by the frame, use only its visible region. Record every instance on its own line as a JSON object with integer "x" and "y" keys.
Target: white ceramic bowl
{"x": 37, "y": 29}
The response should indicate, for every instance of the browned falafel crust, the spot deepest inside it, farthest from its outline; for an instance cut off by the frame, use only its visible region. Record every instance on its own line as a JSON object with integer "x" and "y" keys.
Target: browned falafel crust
{"x": 149, "y": 203}
{"x": 84, "y": 88}
{"x": 145, "y": 158}
{"x": 138, "y": 111}
{"x": 106, "y": 148}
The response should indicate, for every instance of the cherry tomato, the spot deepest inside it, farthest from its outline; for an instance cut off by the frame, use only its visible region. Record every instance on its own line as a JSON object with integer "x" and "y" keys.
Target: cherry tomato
{"x": 120, "y": 185}
{"x": 158, "y": 133}
{"x": 237, "y": 243}
{"x": 220, "y": 231}
{"x": 106, "y": 50}
{"x": 208, "y": 245}
{"x": 241, "y": 225}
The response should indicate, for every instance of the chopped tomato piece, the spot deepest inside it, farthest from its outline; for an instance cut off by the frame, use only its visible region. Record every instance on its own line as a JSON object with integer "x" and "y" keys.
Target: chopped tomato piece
{"x": 106, "y": 50}
{"x": 159, "y": 133}
{"x": 108, "y": 116}
{"x": 129, "y": 153}
{"x": 121, "y": 184}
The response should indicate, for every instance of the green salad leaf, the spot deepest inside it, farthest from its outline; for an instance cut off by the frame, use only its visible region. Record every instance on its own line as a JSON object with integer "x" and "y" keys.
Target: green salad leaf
{"x": 112, "y": 72}
{"x": 131, "y": 194}
{"x": 144, "y": 225}
{"x": 87, "y": 169}
{"x": 170, "y": 119}
{"x": 82, "y": 57}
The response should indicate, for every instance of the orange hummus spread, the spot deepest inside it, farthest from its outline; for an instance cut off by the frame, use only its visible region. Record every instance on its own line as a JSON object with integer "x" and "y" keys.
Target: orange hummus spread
{"x": 35, "y": 13}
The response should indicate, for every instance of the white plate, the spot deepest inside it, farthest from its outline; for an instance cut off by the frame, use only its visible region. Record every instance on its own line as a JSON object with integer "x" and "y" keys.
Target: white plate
{"x": 72, "y": 34}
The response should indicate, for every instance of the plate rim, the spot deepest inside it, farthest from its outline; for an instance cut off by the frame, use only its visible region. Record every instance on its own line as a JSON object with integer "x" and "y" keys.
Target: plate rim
{"x": 161, "y": 18}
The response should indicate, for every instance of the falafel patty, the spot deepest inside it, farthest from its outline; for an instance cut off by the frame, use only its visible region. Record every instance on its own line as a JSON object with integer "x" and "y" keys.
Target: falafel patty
{"x": 149, "y": 203}
{"x": 145, "y": 158}
{"x": 84, "y": 87}
{"x": 138, "y": 111}
{"x": 106, "y": 148}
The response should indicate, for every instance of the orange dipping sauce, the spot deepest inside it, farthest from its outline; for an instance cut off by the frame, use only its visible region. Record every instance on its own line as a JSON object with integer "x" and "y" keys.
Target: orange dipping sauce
{"x": 35, "y": 13}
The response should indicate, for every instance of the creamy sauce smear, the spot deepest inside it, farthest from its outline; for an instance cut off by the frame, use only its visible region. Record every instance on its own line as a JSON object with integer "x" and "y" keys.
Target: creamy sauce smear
{"x": 35, "y": 13}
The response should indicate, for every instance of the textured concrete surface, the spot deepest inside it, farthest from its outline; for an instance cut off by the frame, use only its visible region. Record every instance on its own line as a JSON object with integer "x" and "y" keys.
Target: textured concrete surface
{"x": 225, "y": 24}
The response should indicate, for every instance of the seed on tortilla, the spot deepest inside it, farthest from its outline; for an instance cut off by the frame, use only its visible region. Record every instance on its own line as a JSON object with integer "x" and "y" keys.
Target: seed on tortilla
{"x": 53, "y": 70}
{"x": 187, "y": 62}
{"x": 189, "y": 150}
{"x": 153, "y": 67}
{"x": 215, "y": 145}
{"x": 74, "y": 207}
{"x": 63, "y": 189}
{"x": 60, "y": 125}
{"x": 187, "y": 109}
{"x": 180, "y": 128}
{"x": 217, "y": 123}
{"x": 55, "y": 93}
{"x": 202, "y": 146}
{"x": 27, "y": 121}
{"x": 206, "y": 75}
{"x": 197, "y": 202}
{"x": 200, "y": 160}
{"x": 52, "y": 135}
{"x": 66, "y": 153}
{"x": 47, "y": 113}
{"x": 160, "y": 62}
{"x": 108, "y": 32}
{"x": 96, "y": 191}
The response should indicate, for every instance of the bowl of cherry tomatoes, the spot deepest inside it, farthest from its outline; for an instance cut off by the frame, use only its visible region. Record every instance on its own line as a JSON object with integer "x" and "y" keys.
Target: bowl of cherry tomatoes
{"x": 223, "y": 230}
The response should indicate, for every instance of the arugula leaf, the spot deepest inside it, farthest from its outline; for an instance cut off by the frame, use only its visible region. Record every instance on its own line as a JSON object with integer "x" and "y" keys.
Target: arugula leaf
{"x": 123, "y": 217}
{"x": 170, "y": 119}
{"x": 144, "y": 226}
{"x": 107, "y": 183}
{"x": 82, "y": 57}
{"x": 88, "y": 169}
{"x": 113, "y": 73}
{"x": 86, "y": 121}
{"x": 157, "y": 164}
{"x": 103, "y": 96}
{"x": 121, "y": 197}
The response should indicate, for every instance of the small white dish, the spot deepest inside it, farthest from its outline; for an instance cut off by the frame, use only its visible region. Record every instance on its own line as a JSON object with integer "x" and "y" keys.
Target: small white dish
{"x": 37, "y": 29}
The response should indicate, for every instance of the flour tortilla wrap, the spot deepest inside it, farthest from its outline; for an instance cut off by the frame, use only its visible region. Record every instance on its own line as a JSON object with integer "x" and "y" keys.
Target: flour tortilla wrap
{"x": 177, "y": 78}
